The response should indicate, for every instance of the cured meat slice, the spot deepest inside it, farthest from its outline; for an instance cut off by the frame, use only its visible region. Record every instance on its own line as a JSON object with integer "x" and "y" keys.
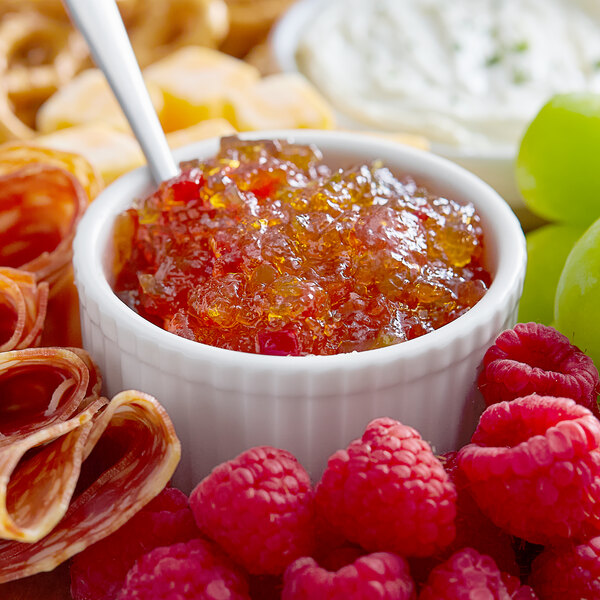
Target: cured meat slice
{"x": 40, "y": 206}
{"x": 48, "y": 397}
{"x": 103, "y": 460}
{"x": 22, "y": 309}
{"x": 14, "y": 156}
{"x": 63, "y": 325}
{"x": 43, "y": 193}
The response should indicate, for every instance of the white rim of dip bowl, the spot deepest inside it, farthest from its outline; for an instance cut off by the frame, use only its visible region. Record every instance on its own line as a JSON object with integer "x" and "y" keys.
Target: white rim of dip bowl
{"x": 124, "y": 344}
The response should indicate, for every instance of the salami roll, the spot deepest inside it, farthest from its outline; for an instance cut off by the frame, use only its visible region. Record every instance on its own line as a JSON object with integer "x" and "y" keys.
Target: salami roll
{"x": 74, "y": 466}
{"x": 14, "y": 156}
{"x": 46, "y": 408}
{"x": 23, "y": 306}
{"x": 40, "y": 206}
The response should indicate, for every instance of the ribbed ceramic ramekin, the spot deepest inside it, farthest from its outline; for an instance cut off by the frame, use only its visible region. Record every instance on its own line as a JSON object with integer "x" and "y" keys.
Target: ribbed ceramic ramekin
{"x": 223, "y": 402}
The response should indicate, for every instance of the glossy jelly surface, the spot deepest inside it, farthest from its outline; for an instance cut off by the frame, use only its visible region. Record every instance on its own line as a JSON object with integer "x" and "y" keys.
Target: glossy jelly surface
{"x": 266, "y": 249}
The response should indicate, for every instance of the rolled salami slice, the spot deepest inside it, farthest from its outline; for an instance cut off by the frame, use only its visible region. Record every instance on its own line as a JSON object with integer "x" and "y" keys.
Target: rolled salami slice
{"x": 15, "y": 155}
{"x": 23, "y": 306}
{"x": 43, "y": 193}
{"x": 126, "y": 451}
{"x": 40, "y": 206}
{"x": 48, "y": 397}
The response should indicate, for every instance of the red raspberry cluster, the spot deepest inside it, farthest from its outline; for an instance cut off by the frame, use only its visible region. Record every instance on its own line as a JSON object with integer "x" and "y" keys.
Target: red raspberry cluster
{"x": 514, "y": 515}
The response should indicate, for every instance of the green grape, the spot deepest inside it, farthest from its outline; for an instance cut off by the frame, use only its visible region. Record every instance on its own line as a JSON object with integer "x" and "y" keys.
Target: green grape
{"x": 577, "y": 304}
{"x": 547, "y": 250}
{"x": 558, "y": 170}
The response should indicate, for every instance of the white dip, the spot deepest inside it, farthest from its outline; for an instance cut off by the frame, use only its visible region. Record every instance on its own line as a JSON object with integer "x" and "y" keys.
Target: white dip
{"x": 469, "y": 73}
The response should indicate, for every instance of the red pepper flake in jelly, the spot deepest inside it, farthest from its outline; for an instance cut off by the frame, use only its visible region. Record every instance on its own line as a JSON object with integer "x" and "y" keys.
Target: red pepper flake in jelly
{"x": 265, "y": 249}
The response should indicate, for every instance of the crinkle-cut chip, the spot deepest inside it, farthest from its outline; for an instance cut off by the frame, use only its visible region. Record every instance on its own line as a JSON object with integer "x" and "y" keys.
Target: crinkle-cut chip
{"x": 87, "y": 98}
{"x": 282, "y": 101}
{"x": 196, "y": 83}
{"x": 40, "y": 206}
{"x": 22, "y": 309}
{"x": 205, "y": 129}
{"x": 74, "y": 479}
{"x": 15, "y": 155}
{"x": 112, "y": 152}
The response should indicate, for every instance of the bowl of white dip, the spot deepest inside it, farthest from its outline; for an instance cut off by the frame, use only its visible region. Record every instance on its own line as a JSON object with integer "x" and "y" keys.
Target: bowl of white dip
{"x": 469, "y": 75}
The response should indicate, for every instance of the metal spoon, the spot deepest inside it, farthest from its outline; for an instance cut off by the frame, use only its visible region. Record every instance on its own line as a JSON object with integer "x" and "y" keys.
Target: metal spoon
{"x": 101, "y": 25}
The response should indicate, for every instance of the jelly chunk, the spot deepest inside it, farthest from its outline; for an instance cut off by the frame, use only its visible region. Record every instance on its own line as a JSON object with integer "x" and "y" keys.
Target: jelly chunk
{"x": 266, "y": 249}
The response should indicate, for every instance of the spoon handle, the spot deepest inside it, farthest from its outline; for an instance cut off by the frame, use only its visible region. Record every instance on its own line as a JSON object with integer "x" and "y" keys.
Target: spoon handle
{"x": 101, "y": 25}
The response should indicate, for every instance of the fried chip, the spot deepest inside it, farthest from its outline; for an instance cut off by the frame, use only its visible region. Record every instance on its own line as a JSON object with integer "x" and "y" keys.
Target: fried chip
{"x": 112, "y": 152}
{"x": 87, "y": 98}
{"x": 283, "y": 101}
{"x": 196, "y": 84}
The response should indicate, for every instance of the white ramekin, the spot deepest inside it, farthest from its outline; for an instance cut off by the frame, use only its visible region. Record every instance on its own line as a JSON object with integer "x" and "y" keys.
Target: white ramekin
{"x": 223, "y": 402}
{"x": 495, "y": 167}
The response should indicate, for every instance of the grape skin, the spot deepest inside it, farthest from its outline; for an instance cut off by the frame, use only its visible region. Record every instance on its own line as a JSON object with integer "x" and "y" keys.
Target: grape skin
{"x": 577, "y": 303}
{"x": 557, "y": 166}
{"x": 547, "y": 251}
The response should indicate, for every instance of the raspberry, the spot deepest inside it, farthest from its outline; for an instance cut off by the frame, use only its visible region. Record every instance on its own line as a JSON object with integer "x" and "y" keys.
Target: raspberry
{"x": 265, "y": 587}
{"x": 259, "y": 508}
{"x": 388, "y": 492}
{"x": 195, "y": 570}
{"x": 534, "y": 468}
{"x": 380, "y": 575}
{"x": 327, "y": 538}
{"x": 335, "y": 559}
{"x": 533, "y": 358}
{"x": 473, "y": 529}
{"x": 467, "y": 575}
{"x": 517, "y": 591}
{"x": 99, "y": 571}
{"x": 568, "y": 572}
